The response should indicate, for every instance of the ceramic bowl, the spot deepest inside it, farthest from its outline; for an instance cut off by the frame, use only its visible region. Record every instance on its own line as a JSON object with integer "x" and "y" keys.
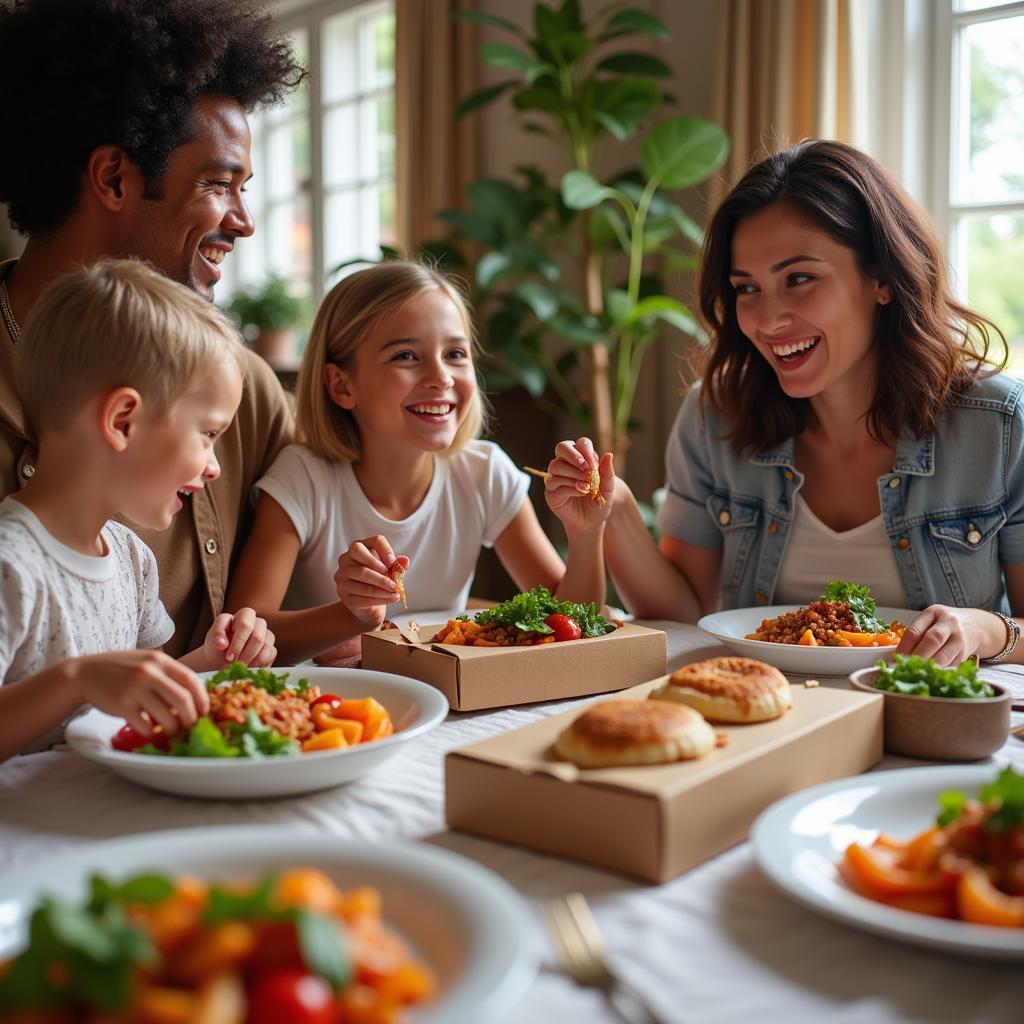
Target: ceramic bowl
{"x": 941, "y": 728}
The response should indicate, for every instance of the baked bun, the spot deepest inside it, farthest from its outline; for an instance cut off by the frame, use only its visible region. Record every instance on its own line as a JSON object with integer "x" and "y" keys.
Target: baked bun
{"x": 623, "y": 732}
{"x": 729, "y": 690}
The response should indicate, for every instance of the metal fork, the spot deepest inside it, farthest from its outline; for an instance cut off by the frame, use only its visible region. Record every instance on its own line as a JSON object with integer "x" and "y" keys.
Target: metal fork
{"x": 581, "y": 950}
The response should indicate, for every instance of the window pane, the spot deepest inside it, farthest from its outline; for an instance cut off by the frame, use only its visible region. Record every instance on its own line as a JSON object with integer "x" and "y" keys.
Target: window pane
{"x": 340, "y": 57}
{"x": 342, "y": 144}
{"x": 387, "y": 214}
{"x": 378, "y": 48}
{"x": 990, "y": 164}
{"x": 994, "y": 250}
{"x": 980, "y": 5}
{"x": 341, "y": 231}
{"x": 287, "y": 170}
{"x": 287, "y": 243}
{"x": 377, "y": 117}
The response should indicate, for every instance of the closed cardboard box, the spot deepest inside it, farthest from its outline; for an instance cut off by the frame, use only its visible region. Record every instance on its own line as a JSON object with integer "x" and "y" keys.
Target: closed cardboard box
{"x": 654, "y": 822}
{"x": 494, "y": 677}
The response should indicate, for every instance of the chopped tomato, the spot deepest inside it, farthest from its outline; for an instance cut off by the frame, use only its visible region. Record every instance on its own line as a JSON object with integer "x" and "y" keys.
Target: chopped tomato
{"x": 128, "y": 738}
{"x": 564, "y": 627}
{"x": 330, "y": 700}
{"x": 293, "y": 996}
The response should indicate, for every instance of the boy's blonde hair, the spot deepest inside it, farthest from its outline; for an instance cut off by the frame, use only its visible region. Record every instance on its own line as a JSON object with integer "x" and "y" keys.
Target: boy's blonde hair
{"x": 348, "y": 313}
{"x": 117, "y": 323}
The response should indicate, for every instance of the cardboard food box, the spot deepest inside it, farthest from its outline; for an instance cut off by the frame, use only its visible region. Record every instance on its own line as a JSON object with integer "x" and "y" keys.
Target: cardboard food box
{"x": 494, "y": 677}
{"x": 654, "y": 822}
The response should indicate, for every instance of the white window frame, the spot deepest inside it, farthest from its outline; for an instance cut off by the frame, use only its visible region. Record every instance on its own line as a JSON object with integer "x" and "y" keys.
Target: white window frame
{"x": 309, "y": 17}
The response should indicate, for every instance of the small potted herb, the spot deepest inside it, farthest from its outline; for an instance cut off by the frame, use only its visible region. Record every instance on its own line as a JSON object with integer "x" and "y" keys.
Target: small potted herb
{"x": 268, "y": 315}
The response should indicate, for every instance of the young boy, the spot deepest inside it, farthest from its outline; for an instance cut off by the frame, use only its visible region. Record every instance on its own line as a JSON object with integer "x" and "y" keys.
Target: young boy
{"x": 151, "y": 376}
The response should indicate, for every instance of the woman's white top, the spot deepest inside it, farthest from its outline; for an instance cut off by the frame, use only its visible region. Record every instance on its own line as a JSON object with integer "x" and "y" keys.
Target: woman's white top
{"x": 816, "y": 554}
{"x": 473, "y": 496}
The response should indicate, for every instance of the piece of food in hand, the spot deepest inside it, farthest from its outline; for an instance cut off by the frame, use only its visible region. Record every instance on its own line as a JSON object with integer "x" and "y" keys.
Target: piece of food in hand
{"x": 397, "y": 572}
{"x": 635, "y": 732}
{"x": 737, "y": 690}
{"x": 595, "y": 484}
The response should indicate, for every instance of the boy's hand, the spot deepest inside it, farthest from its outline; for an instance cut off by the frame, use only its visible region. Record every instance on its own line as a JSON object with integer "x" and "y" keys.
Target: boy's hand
{"x": 146, "y": 688}
{"x": 569, "y": 489}
{"x": 243, "y": 637}
{"x": 362, "y": 579}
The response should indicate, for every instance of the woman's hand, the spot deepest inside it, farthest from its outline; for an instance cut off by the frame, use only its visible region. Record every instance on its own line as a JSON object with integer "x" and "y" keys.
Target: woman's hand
{"x": 362, "y": 581}
{"x": 951, "y": 635}
{"x": 243, "y": 637}
{"x": 568, "y": 489}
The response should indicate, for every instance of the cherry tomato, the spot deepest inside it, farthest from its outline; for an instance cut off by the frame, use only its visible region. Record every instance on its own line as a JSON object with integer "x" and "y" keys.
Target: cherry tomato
{"x": 128, "y": 738}
{"x": 330, "y": 699}
{"x": 564, "y": 627}
{"x": 291, "y": 996}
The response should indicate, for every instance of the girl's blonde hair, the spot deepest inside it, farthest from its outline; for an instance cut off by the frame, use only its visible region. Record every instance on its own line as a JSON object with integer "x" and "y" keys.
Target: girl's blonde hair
{"x": 349, "y": 312}
{"x": 117, "y": 323}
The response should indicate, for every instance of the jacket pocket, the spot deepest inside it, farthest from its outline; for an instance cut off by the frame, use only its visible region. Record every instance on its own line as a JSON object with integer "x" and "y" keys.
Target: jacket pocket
{"x": 739, "y": 522}
{"x": 967, "y": 549}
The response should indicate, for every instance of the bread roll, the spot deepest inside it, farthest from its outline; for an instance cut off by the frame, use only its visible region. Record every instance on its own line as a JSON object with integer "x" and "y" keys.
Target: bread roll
{"x": 631, "y": 732}
{"x": 737, "y": 690}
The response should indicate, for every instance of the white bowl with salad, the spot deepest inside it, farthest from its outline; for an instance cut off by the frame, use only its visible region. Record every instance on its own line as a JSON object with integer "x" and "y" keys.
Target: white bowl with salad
{"x": 244, "y": 750}
{"x": 794, "y": 638}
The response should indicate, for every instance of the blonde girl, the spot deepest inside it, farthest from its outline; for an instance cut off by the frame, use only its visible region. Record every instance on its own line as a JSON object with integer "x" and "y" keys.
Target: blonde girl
{"x": 391, "y": 461}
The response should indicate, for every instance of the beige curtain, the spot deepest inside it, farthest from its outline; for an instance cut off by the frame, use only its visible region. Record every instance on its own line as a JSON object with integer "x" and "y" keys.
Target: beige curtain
{"x": 787, "y": 70}
{"x": 435, "y": 68}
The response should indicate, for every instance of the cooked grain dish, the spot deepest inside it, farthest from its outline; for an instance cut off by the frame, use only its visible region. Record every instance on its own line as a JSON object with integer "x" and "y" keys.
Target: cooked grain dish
{"x": 287, "y": 713}
{"x": 826, "y": 622}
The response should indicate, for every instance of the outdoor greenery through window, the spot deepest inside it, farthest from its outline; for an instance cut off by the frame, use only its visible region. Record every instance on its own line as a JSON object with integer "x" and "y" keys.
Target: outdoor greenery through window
{"x": 987, "y": 163}
{"x": 323, "y": 162}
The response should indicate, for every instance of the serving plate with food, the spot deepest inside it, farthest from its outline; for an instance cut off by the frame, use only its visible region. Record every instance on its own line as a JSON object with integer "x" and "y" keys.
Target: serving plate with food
{"x": 840, "y": 632}
{"x": 250, "y": 925}
{"x": 270, "y": 733}
{"x": 933, "y": 856}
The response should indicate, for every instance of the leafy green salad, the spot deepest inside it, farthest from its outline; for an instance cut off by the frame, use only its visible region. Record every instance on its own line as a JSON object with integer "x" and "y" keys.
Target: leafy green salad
{"x": 860, "y": 602}
{"x": 920, "y": 677}
{"x": 530, "y": 610}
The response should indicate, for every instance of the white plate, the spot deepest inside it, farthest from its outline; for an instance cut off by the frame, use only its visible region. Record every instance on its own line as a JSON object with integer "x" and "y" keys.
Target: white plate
{"x": 470, "y": 927}
{"x": 733, "y": 626}
{"x": 415, "y": 708}
{"x": 800, "y": 840}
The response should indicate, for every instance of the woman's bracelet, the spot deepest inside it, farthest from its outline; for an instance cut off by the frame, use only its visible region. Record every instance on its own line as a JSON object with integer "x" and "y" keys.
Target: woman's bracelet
{"x": 1012, "y": 636}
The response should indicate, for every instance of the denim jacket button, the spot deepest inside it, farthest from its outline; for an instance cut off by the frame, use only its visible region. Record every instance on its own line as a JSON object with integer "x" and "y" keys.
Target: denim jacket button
{"x": 973, "y": 536}
{"x": 724, "y": 517}
{"x": 773, "y": 527}
{"x": 762, "y": 597}
{"x": 788, "y": 474}
{"x": 894, "y": 482}
{"x": 903, "y": 544}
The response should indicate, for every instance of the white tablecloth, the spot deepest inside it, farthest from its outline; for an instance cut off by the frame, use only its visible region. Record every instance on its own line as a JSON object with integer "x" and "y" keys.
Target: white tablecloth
{"x": 717, "y": 944}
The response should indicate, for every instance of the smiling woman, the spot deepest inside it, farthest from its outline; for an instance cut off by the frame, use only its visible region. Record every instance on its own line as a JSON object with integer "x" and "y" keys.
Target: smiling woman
{"x": 837, "y": 431}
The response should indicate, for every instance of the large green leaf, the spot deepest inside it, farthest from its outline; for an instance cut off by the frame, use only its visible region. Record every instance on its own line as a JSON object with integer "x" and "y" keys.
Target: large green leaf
{"x": 475, "y": 228}
{"x": 482, "y": 97}
{"x": 488, "y": 19}
{"x": 538, "y": 97}
{"x": 528, "y": 371}
{"x": 579, "y": 330}
{"x": 581, "y": 191}
{"x": 683, "y": 151}
{"x": 661, "y": 307}
{"x": 542, "y": 300}
{"x": 636, "y": 64}
{"x": 493, "y": 266}
{"x": 617, "y": 126}
{"x": 635, "y": 20}
{"x": 501, "y": 55}
{"x": 501, "y": 204}
{"x": 618, "y": 305}
{"x": 607, "y": 228}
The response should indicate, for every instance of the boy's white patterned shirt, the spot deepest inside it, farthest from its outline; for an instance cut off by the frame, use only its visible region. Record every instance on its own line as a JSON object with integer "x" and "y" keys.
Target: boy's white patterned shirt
{"x": 57, "y": 603}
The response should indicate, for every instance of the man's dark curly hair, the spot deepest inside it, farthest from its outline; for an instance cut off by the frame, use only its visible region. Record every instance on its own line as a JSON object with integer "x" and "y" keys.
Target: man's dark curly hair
{"x": 87, "y": 73}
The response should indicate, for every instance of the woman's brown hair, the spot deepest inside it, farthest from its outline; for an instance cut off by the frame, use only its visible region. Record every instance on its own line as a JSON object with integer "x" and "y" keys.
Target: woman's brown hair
{"x": 930, "y": 346}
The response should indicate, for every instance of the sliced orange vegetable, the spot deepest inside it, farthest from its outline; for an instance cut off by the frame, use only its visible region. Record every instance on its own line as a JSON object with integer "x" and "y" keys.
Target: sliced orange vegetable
{"x": 980, "y": 902}
{"x": 307, "y": 888}
{"x": 807, "y": 639}
{"x": 369, "y": 711}
{"x": 876, "y": 870}
{"x": 329, "y": 739}
{"x": 936, "y": 904}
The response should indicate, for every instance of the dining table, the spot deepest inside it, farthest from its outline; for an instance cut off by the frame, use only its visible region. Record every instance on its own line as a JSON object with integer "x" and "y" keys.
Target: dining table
{"x": 719, "y": 944}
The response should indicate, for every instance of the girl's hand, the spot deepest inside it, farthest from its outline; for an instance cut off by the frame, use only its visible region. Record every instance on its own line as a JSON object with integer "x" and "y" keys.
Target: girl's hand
{"x": 951, "y": 635}
{"x": 568, "y": 489}
{"x": 146, "y": 688}
{"x": 243, "y": 637}
{"x": 362, "y": 581}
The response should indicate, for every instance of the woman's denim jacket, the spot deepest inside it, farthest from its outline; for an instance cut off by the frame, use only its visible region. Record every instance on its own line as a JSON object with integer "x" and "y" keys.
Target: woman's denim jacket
{"x": 953, "y": 505}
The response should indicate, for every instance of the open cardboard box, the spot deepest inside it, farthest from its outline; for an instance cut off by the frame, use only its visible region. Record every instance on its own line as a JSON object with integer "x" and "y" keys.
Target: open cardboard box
{"x": 657, "y": 821}
{"x": 494, "y": 677}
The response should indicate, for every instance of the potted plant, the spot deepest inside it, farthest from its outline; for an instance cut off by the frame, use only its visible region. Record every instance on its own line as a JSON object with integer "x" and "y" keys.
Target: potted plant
{"x": 572, "y": 278}
{"x": 268, "y": 315}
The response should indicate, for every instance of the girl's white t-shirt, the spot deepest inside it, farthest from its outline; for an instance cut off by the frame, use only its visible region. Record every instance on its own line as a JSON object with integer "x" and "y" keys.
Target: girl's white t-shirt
{"x": 474, "y": 495}
{"x": 816, "y": 554}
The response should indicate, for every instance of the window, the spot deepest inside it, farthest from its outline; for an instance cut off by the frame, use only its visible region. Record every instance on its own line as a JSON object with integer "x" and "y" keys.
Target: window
{"x": 984, "y": 187}
{"x": 323, "y": 162}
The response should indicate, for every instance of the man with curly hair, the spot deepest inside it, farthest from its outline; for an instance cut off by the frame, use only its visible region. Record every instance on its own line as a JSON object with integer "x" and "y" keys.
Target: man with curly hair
{"x": 129, "y": 137}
